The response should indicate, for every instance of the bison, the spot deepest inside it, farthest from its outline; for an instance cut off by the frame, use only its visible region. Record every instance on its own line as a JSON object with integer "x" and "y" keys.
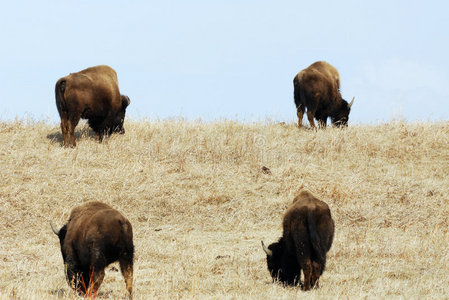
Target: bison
{"x": 95, "y": 236}
{"x": 91, "y": 94}
{"x": 317, "y": 88}
{"x": 308, "y": 231}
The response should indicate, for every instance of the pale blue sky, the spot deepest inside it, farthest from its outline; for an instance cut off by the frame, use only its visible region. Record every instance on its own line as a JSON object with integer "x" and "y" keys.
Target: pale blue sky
{"x": 229, "y": 59}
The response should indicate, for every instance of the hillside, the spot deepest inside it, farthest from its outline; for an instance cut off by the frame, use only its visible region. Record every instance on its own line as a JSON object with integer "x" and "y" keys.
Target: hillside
{"x": 200, "y": 203}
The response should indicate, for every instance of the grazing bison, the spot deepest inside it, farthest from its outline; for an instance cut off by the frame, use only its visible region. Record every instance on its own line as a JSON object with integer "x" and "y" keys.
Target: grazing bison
{"x": 307, "y": 237}
{"x": 95, "y": 236}
{"x": 317, "y": 88}
{"x": 91, "y": 94}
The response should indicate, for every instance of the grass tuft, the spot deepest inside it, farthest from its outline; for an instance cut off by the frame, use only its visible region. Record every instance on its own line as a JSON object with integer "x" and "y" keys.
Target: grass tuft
{"x": 201, "y": 196}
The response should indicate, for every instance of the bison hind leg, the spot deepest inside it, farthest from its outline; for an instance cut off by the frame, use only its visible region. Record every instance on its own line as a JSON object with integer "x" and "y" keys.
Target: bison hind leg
{"x": 306, "y": 266}
{"x": 310, "y": 116}
{"x": 71, "y": 124}
{"x": 126, "y": 267}
{"x": 64, "y": 130}
{"x": 300, "y": 114}
{"x": 316, "y": 272}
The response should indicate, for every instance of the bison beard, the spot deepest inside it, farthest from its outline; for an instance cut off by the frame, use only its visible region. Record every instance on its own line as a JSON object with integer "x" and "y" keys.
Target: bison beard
{"x": 307, "y": 237}
{"x": 95, "y": 236}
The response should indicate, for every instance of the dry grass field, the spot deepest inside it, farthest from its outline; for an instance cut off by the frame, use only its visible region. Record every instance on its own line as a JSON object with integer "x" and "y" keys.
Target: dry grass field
{"x": 200, "y": 204}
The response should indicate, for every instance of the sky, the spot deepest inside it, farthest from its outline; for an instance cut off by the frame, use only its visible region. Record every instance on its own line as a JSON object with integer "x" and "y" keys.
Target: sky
{"x": 215, "y": 59}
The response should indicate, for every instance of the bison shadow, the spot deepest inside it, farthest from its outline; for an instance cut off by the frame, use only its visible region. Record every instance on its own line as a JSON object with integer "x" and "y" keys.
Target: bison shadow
{"x": 286, "y": 285}
{"x": 84, "y": 132}
{"x": 61, "y": 293}
{"x": 295, "y": 125}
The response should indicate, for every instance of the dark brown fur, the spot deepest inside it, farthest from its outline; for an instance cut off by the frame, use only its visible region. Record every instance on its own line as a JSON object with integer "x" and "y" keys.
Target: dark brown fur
{"x": 95, "y": 236}
{"x": 317, "y": 89}
{"x": 91, "y": 94}
{"x": 308, "y": 231}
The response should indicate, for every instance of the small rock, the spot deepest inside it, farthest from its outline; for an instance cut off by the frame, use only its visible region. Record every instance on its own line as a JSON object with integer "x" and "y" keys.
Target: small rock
{"x": 266, "y": 170}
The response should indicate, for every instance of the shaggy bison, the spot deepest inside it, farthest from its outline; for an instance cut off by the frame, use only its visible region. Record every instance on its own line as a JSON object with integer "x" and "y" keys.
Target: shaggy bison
{"x": 317, "y": 88}
{"x": 91, "y": 94}
{"x": 95, "y": 236}
{"x": 308, "y": 233}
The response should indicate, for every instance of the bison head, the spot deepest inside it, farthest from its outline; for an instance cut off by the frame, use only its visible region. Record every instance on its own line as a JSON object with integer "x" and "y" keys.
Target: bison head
{"x": 119, "y": 118}
{"x": 73, "y": 272}
{"x": 282, "y": 266}
{"x": 341, "y": 115}
{"x": 61, "y": 235}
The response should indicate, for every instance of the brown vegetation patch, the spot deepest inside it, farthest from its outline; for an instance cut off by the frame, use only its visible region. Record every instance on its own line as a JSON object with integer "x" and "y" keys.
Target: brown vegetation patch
{"x": 200, "y": 202}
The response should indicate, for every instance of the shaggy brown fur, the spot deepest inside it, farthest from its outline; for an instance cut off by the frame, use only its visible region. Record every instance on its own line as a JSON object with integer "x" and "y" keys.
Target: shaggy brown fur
{"x": 317, "y": 88}
{"x": 91, "y": 94}
{"x": 307, "y": 237}
{"x": 95, "y": 236}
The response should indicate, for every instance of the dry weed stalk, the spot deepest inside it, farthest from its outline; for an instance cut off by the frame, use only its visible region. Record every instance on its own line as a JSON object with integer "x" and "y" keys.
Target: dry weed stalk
{"x": 200, "y": 202}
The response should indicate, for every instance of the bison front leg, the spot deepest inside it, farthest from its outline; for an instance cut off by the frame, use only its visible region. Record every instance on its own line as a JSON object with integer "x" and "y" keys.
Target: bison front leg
{"x": 322, "y": 123}
{"x": 73, "y": 274}
{"x": 100, "y": 136}
{"x": 126, "y": 267}
{"x": 103, "y": 127}
{"x": 96, "y": 282}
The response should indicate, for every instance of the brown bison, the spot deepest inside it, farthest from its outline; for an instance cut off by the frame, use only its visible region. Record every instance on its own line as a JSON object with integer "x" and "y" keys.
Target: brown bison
{"x": 317, "y": 88}
{"x": 95, "y": 236}
{"x": 91, "y": 94}
{"x": 308, "y": 233}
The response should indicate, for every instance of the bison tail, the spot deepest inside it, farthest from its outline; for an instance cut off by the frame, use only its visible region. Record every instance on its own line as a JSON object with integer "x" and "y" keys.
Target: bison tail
{"x": 127, "y": 240}
{"x": 296, "y": 90}
{"x": 315, "y": 239}
{"x": 298, "y": 93}
{"x": 59, "y": 94}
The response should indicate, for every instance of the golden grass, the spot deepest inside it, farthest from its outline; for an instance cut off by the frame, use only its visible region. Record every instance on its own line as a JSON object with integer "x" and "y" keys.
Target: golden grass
{"x": 200, "y": 203}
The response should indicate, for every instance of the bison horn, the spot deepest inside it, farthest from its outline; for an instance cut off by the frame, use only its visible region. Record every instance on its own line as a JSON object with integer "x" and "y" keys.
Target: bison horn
{"x": 53, "y": 228}
{"x": 352, "y": 101}
{"x": 267, "y": 251}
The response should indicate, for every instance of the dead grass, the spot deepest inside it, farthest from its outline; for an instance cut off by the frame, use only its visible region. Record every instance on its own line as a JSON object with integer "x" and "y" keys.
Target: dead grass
{"x": 200, "y": 203}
